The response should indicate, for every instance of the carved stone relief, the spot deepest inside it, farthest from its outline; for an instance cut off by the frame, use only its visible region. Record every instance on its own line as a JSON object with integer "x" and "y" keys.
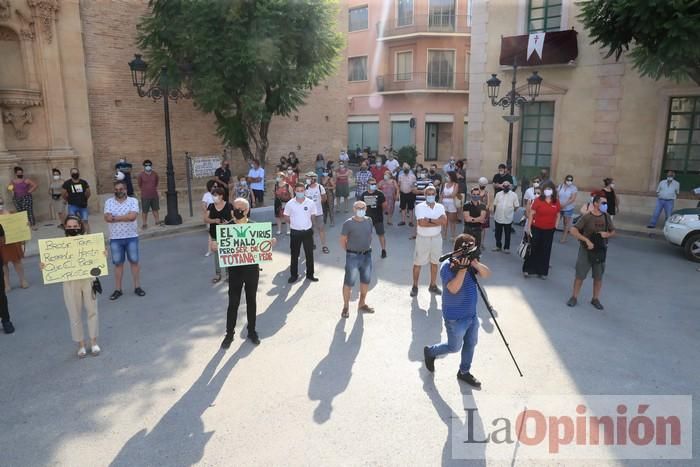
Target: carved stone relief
{"x": 18, "y": 118}
{"x": 5, "y": 10}
{"x": 15, "y": 108}
{"x": 26, "y": 31}
{"x": 45, "y": 13}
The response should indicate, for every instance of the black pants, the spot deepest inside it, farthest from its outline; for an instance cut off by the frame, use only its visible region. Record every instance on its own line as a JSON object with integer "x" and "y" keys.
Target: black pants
{"x": 238, "y": 277}
{"x": 4, "y": 312}
{"x": 503, "y": 228}
{"x": 537, "y": 261}
{"x": 259, "y": 195}
{"x": 298, "y": 238}
{"x": 474, "y": 231}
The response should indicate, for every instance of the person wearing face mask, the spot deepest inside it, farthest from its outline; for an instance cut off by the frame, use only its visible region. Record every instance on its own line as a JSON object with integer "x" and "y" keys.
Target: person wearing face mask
{"x": 342, "y": 184}
{"x": 207, "y": 199}
{"x": 407, "y": 197}
{"x": 22, "y": 189}
{"x": 611, "y": 197}
{"x": 291, "y": 177}
{"x": 542, "y": 221}
{"x": 12, "y": 253}
{"x": 451, "y": 166}
{"x": 223, "y": 177}
{"x": 57, "y": 207}
{"x": 242, "y": 190}
{"x": 567, "y": 192}
{"x": 329, "y": 185}
{"x": 375, "y": 205}
{"x": 501, "y": 176}
{"x": 320, "y": 166}
{"x": 504, "y": 205}
{"x": 125, "y": 167}
{"x": 392, "y": 164}
{"x": 592, "y": 231}
{"x": 486, "y": 201}
{"x": 7, "y": 326}
{"x": 474, "y": 213}
{"x": 78, "y": 294}
{"x": 666, "y": 193}
{"x": 378, "y": 169}
{"x": 300, "y": 212}
{"x": 317, "y": 193}
{"x": 356, "y": 240}
{"x": 76, "y": 193}
{"x": 430, "y": 217}
{"x": 283, "y": 193}
{"x": 219, "y": 212}
{"x": 148, "y": 186}
{"x": 256, "y": 177}
{"x": 362, "y": 179}
{"x": 529, "y": 195}
{"x": 390, "y": 188}
{"x": 120, "y": 213}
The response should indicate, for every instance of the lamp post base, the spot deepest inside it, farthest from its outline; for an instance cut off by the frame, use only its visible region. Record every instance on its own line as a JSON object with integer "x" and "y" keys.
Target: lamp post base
{"x": 173, "y": 216}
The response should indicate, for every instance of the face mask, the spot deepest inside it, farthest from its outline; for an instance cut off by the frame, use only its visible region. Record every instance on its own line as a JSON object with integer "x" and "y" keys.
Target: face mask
{"x": 56, "y": 177}
{"x": 243, "y": 183}
{"x": 20, "y": 175}
{"x": 238, "y": 214}
{"x": 569, "y": 182}
{"x": 72, "y": 232}
{"x": 405, "y": 171}
{"x": 452, "y": 161}
{"x": 612, "y": 185}
{"x": 120, "y": 194}
{"x": 603, "y": 207}
{"x": 360, "y": 212}
{"x": 341, "y": 165}
{"x": 548, "y": 192}
{"x": 75, "y": 175}
{"x": 536, "y": 184}
{"x": 379, "y": 164}
{"x": 325, "y": 174}
{"x": 217, "y": 198}
{"x": 430, "y": 198}
{"x": 670, "y": 179}
{"x": 290, "y": 172}
{"x": 308, "y": 181}
{"x": 506, "y": 189}
{"x": 373, "y": 187}
{"x": 299, "y": 194}
{"x": 148, "y": 168}
{"x": 432, "y": 171}
{"x": 386, "y": 177}
{"x": 363, "y": 168}
{"x": 476, "y": 198}
{"x": 278, "y": 179}
{"x": 121, "y": 161}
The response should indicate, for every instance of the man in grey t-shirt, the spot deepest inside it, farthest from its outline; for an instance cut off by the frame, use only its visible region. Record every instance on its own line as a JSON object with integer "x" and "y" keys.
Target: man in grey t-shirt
{"x": 355, "y": 239}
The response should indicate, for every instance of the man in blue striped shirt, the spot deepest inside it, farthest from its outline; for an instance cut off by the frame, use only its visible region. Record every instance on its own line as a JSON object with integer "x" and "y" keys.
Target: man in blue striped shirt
{"x": 459, "y": 300}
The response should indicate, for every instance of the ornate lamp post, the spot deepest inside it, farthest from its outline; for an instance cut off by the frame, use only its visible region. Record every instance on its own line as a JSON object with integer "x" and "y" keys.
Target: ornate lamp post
{"x": 511, "y": 99}
{"x": 160, "y": 89}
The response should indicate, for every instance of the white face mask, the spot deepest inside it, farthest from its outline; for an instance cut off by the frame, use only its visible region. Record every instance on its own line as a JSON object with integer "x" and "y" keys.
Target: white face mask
{"x": 217, "y": 199}
{"x": 548, "y": 192}
{"x": 56, "y": 177}
{"x": 536, "y": 184}
{"x": 360, "y": 213}
{"x": 568, "y": 182}
{"x": 308, "y": 181}
{"x": 669, "y": 179}
{"x": 612, "y": 185}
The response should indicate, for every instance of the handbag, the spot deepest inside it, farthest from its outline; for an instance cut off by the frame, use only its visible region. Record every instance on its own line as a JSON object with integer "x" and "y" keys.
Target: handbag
{"x": 525, "y": 247}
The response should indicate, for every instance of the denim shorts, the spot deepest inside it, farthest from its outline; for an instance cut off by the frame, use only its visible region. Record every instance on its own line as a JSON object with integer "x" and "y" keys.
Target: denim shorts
{"x": 357, "y": 264}
{"x": 568, "y": 212}
{"x": 78, "y": 211}
{"x": 124, "y": 247}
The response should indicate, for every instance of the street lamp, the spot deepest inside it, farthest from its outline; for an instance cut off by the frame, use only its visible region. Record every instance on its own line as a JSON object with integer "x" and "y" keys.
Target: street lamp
{"x": 160, "y": 89}
{"x": 511, "y": 99}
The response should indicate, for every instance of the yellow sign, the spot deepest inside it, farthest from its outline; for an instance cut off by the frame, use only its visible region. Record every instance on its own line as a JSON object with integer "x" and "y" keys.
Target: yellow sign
{"x": 71, "y": 258}
{"x": 16, "y": 227}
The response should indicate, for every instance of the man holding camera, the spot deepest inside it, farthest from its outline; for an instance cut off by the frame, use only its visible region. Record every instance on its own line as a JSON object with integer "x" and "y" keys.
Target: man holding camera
{"x": 459, "y": 307}
{"x": 593, "y": 230}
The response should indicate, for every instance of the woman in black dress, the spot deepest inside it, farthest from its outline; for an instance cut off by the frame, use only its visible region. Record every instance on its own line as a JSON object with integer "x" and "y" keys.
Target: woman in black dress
{"x": 611, "y": 196}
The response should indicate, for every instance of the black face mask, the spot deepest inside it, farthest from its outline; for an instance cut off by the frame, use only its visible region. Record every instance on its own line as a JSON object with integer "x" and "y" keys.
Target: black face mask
{"x": 506, "y": 190}
{"x": 72, "y": 232}
{"x": 405, "y": 171}
{"x": 239, "y": 213}
{"x": 20, "y": 175}
{"x": 75, "y": 175}
{"x": 120, "y": 194}
{"x": 432, "y": 171}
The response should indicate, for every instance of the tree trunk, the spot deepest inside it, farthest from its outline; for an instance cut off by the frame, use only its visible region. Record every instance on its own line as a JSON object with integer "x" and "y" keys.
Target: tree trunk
{"x": 695, "y": 74}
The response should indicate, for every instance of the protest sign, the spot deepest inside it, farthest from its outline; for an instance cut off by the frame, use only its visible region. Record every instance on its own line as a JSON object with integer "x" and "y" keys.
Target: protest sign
{"x": 72, "y": 258}
{"x": 244, "y": 243}
{"x": 16, "y": 227}
{"x": 205, "y": 166}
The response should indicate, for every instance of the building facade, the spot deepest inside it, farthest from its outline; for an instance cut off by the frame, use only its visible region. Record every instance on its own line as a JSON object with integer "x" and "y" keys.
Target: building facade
{"x": 594, "y": 117}
{"x": 408, "y": 76}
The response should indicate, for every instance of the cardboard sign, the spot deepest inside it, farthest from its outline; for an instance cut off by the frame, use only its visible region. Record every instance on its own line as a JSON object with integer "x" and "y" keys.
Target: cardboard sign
{"x": 16, "y": 227}
{"x": 73, "y": 258}
{"x": 205, "y": 166}
{"x": 244, "y": 243}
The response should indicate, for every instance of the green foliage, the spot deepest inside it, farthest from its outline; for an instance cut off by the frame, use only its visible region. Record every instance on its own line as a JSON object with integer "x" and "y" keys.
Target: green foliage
{"x": 252, "y": 59}
{"x": 662, "y": 36}
{"x": 408, "y": 154}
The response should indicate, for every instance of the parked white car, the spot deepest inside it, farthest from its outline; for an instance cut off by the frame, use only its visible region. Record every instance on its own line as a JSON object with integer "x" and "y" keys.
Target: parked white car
{"x": 683, "y": 229}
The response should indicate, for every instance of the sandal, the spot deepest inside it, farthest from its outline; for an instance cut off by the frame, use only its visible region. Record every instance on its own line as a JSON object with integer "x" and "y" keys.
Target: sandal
{"x": 216, "y": 279}
{"x": 325, "y": 250}
{"x": 345, "y": 313}
{"x": 115, "y": 295}
{"x": 365, "y": 309}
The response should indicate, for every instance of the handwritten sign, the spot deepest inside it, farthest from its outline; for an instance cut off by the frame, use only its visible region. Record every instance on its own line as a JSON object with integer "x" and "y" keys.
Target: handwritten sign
{"x": 205, "y": 166}
{"x": 73, "y": 258}
{"x": 16, "y": 227}
{"x": 244, "y": 243}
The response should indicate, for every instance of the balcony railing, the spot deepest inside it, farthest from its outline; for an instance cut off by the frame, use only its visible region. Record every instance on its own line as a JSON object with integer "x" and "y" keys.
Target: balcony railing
{"x": 412, "y": 81}
{"x": 437, "y": 23}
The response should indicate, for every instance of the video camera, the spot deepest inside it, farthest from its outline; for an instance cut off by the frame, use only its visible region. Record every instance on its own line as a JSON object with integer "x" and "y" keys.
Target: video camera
{"x": 470, "y": 251}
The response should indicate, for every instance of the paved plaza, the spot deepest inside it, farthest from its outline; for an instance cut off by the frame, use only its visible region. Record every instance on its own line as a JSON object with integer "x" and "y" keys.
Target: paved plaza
{"x": 321, "y": 390}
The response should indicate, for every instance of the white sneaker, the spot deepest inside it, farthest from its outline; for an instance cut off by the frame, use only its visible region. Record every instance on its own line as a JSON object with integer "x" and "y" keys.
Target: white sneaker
{"x": 82, "y": 352}
{"x": 95, "y": 350}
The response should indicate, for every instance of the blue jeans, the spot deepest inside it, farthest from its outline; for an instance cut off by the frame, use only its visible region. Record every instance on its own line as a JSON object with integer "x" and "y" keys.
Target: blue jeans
{"x": 661, "y": 204}
{"x": 461, "y": 334}
{"x": 124, "y": 247}
{"x": 78, "y": 211}
{"x": 357, "y": 265}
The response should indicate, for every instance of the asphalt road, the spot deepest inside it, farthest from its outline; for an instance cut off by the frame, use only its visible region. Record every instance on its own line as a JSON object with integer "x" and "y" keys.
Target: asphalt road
{"x": 321, "y": 390}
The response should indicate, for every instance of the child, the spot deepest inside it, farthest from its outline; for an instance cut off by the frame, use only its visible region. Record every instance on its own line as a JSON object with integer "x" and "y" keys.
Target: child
{"x": 243, "y": 191}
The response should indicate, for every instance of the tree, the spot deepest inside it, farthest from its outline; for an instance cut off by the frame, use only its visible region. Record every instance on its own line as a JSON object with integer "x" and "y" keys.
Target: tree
{"x": 663, "y": 34}
{"x": 251, "y": 59}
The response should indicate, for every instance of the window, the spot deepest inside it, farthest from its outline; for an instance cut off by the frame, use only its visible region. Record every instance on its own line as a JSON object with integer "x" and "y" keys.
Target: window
{"x": 536, "y": 137}
{"x": 441, "y": 16}
{"x": 400, "y": 135}
{"x": 544, "y": 15}
{"x": 682, "y": 149}
{"x": 404, "y": 66}
{"x": 364, "y": 135}
{"x": 357, "y": 68}
{"x": 404, "y": 12}
{"x": 358, "y": 19}
{"x": 441, "y": 69}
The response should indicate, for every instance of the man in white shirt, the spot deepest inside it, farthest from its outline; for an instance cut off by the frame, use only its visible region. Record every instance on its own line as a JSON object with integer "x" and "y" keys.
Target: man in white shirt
{"x": 450, "y": 166}
{"x": 504, "y": 205}
{"x": 120, "y": 214}
{"x": 430, "y": 217}
{"x": 317, "y": 193}
{"x": 392, "y": 164}
{"x": 666, "y": 193}
{"x": 256, "y": 178}
{"x": 300, "y": 211}
{"x": 343, "y": 157}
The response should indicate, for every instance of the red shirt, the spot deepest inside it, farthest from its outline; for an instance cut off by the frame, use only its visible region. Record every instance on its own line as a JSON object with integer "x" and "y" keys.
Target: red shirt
{"x": 545, "y": 214}
{"x": 378, "y": 172}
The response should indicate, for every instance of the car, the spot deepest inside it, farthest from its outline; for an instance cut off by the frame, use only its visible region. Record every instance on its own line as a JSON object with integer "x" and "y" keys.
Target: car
{"x": 683, "y": 229}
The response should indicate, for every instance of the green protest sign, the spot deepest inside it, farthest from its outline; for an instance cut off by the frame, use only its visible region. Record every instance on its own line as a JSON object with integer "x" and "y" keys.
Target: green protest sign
{"x": 244, "y": 243}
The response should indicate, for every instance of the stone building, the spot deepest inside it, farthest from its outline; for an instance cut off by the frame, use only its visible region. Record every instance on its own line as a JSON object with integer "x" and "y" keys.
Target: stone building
{"x": 594, "y": 118}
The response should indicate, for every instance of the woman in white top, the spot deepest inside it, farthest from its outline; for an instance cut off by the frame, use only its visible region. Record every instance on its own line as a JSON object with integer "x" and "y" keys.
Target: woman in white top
{"x": 208, "y": 199}
{"x": 450, "y": 198}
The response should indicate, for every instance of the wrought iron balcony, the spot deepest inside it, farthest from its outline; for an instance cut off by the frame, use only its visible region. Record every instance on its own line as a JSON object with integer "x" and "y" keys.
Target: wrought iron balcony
{"x": 427, "y": 82}
{"x": 411, "y": 25}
